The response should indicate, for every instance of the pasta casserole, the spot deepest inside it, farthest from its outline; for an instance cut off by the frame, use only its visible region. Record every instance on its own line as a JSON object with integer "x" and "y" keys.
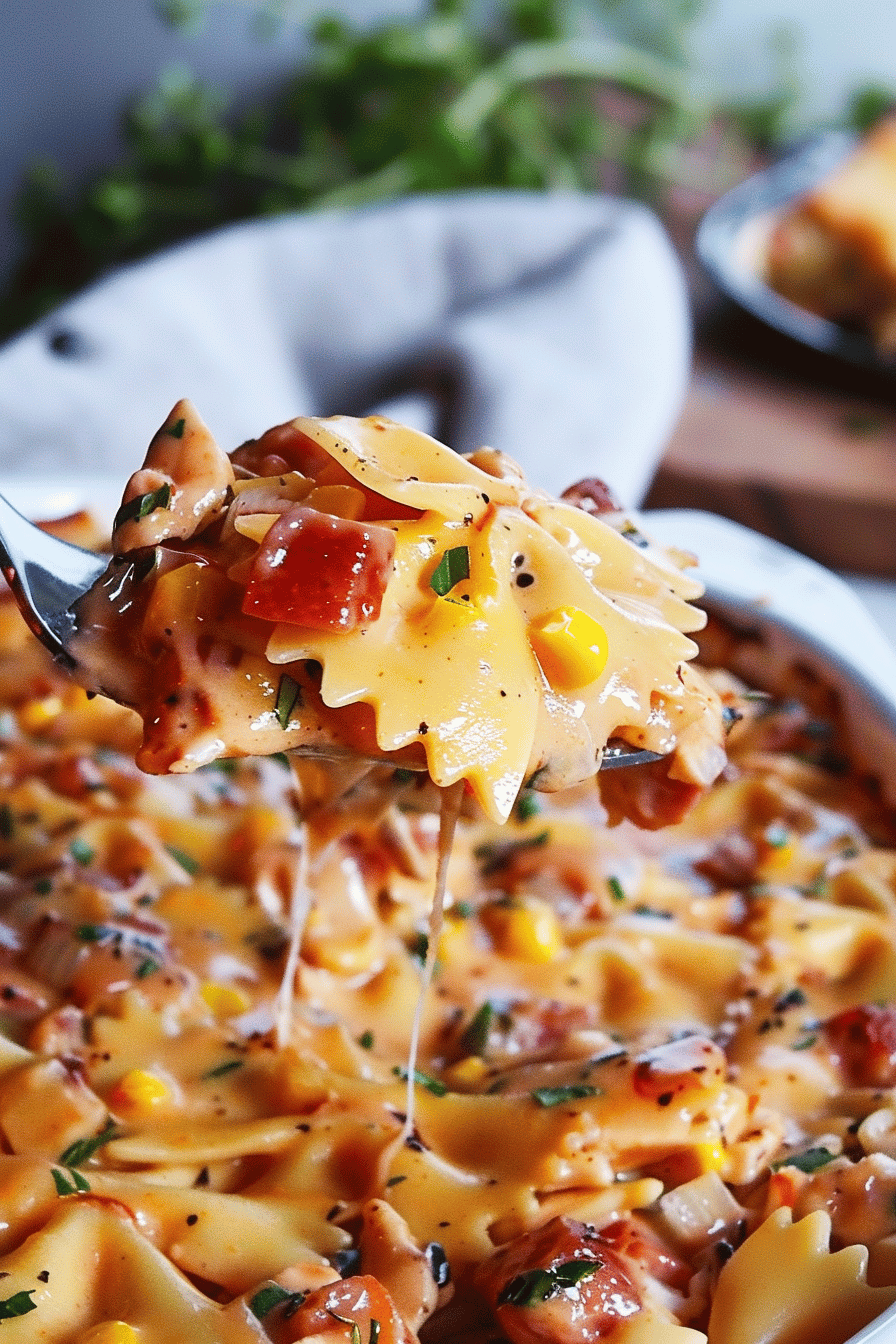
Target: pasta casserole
{"x": 654, "y": 1086}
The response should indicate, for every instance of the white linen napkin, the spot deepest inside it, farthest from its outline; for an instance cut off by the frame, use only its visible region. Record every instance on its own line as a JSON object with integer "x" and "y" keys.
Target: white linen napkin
{"x": 554, "y": 327}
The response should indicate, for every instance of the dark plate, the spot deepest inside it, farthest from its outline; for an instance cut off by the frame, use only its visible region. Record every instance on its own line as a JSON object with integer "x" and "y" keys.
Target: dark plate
{"x": 733, "y": 237}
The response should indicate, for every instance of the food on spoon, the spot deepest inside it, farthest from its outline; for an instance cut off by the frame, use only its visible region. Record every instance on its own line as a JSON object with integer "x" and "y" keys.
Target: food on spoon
{"x": 353, "y": 587}
{"x": 835, "y": 251}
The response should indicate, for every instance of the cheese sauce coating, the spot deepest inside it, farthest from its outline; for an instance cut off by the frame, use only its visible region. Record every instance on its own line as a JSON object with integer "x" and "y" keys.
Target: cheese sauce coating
{"x": 656, "y": 1088}
{"x": 352, "y": 587}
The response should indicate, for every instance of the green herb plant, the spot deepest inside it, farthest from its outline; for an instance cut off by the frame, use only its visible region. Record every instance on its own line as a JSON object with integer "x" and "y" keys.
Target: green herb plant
{"x": 456, "y": 96}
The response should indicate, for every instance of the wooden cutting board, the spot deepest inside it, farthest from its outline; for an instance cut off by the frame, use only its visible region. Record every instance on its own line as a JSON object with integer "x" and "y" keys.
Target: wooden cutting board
{"x": 810, "y": 465}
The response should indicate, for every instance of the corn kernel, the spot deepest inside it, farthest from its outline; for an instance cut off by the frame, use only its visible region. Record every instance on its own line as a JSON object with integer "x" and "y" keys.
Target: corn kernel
{"x": 528, "y": 930}
{"x": 111, "y": 1332}
{"x": 139, "y": 1090}
{"x": 225, "y": 1000}
{"x": 570, "y": 645}
{"x": 38, "y": 714}
{"x": 710, "y": 1157}
{"x": 466, "y": 1073}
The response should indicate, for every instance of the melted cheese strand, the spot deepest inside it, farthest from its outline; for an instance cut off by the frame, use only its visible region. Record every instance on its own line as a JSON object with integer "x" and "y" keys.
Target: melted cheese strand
{"x": 299, "y": 909}
{"x": 451, "y": 800}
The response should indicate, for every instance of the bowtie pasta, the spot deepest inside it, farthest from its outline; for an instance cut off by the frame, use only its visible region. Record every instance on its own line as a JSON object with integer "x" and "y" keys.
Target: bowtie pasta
{"x": 354, "y": 587}
{"x": 655, "y": 1089}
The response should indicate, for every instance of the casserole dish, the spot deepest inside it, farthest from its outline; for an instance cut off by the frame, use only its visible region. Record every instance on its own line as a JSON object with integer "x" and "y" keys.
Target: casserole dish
{"x": 804, "y": 618}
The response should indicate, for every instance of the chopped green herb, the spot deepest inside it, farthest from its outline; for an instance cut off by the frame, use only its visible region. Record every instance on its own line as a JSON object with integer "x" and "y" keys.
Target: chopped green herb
{"x": 281, "y": 758}
{"x": 79, "y": 1152}
{"x": 809, "y": 1160}
{"x": 18, "y": 1305}
{"x": 365, "y": 1040}
{"x": 227, "y": 1067}
{"x": 475, "y": 1037}
{"x": 402, "y": 776}
{"x": 177, "y": 429}
{"x": 186, "y": 861}
{"x": 527, "y": 806}
{"x": 270, "y": 1296}
{"x": 418, "y": 946}
{"x": 642, "y": 909}
{"x": 556, "y": 1096}
{"x": 43, "y": 886}
{"x": 289, "y": 695}
{"x": 347, "y": 1320}
{"x": 452, "y": 569}
{"x": 92, "y": 933}
{"x": 395, "y": 1180}
{"x": 69, "y": 1182}
{"x": 806, "y": 1043}
{"x": 146, "y": 967}
{"x": 537, "y": 1285}
{"x": 617, "y": 891}
{"x": 433, "y": 1085}
{"x": 374, "y": 1331}
{"x": 81, "y": 852}
{"x": 495, "y": 857}
{"x": 142, "y": 505}
{"x": 462, "y": 909}
{"x": 6, "y": 821}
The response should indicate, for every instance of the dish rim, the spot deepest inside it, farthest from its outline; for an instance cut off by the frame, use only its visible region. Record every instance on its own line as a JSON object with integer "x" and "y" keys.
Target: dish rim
{"x": 735, "y": 224}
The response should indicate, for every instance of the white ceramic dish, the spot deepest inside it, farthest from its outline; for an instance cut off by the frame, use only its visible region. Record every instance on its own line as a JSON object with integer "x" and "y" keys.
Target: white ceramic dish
{"x": 803, "y": 611}
{"x": 732, "y": 243}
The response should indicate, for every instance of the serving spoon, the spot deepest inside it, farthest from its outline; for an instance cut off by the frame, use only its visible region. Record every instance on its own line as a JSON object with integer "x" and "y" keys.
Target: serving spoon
{"x": 49, "y": 576}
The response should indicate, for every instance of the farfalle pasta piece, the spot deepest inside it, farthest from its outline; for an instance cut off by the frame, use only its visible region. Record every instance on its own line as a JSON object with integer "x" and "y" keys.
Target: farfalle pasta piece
{"x": 353, "y": 587}
{"x": 808, "y": 1291}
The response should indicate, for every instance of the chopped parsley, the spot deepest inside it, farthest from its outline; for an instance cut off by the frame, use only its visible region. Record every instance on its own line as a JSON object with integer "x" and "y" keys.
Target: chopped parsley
{"x": 142, "y": 505}
{"x": 451, "y": 570}
{"x": 289, "y": 696}
{"x": 271, "y": 1296}
{"x": 402, "y": 776}
{"x": 805, "y": 1043}
{"x": 475, "y": 1036}
{"x": 227, "y": 1067}
{"x": 177, "y": 429}
{"x": 43, "y": 886}
{"x": 537, "y": 1285}
{"x": 808, "y": 1160}
{"x": 365, "y": 1040}
{"x": 186, "y": 861}
{"x": 79, "y": 1152}
{"x": 395, "y": 1180}
{"x": 617, "y": 890}
{"x": 526, "y": 806}
{"x": 146, "y": 967}
{"x": 556, "y": 1096}
{"x": 347, "y": 1320}
{"x": 494, "y": 857}
{"x": 69, "y": 1182}
{"x": 18, "y": 1305}
{"x": 81, "y": 852}
{"x": 433, "y": 1085}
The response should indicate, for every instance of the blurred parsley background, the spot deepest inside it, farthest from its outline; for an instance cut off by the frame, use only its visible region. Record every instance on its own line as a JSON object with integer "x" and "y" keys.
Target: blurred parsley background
{"x": 522, "y": 93}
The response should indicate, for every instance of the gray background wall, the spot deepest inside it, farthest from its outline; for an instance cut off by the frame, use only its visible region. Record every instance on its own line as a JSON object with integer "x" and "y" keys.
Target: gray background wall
{"x": 68, "y": 66}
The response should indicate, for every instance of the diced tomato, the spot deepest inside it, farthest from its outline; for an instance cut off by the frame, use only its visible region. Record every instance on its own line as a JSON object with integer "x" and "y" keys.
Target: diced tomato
{"x": 592, "y": 495}
{"x": 865, "y": 1040}
{"x": 316, "y": 570}
{"x": 330, "y": 1314}
{"x": 646, "y": 795}
{"x": 590, "y": 1309}
{"x": 283, "y": 448}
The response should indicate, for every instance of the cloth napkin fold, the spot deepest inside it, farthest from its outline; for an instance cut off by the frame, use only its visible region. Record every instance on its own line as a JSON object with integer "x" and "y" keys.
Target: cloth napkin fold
{"x": 554, "y": 327}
